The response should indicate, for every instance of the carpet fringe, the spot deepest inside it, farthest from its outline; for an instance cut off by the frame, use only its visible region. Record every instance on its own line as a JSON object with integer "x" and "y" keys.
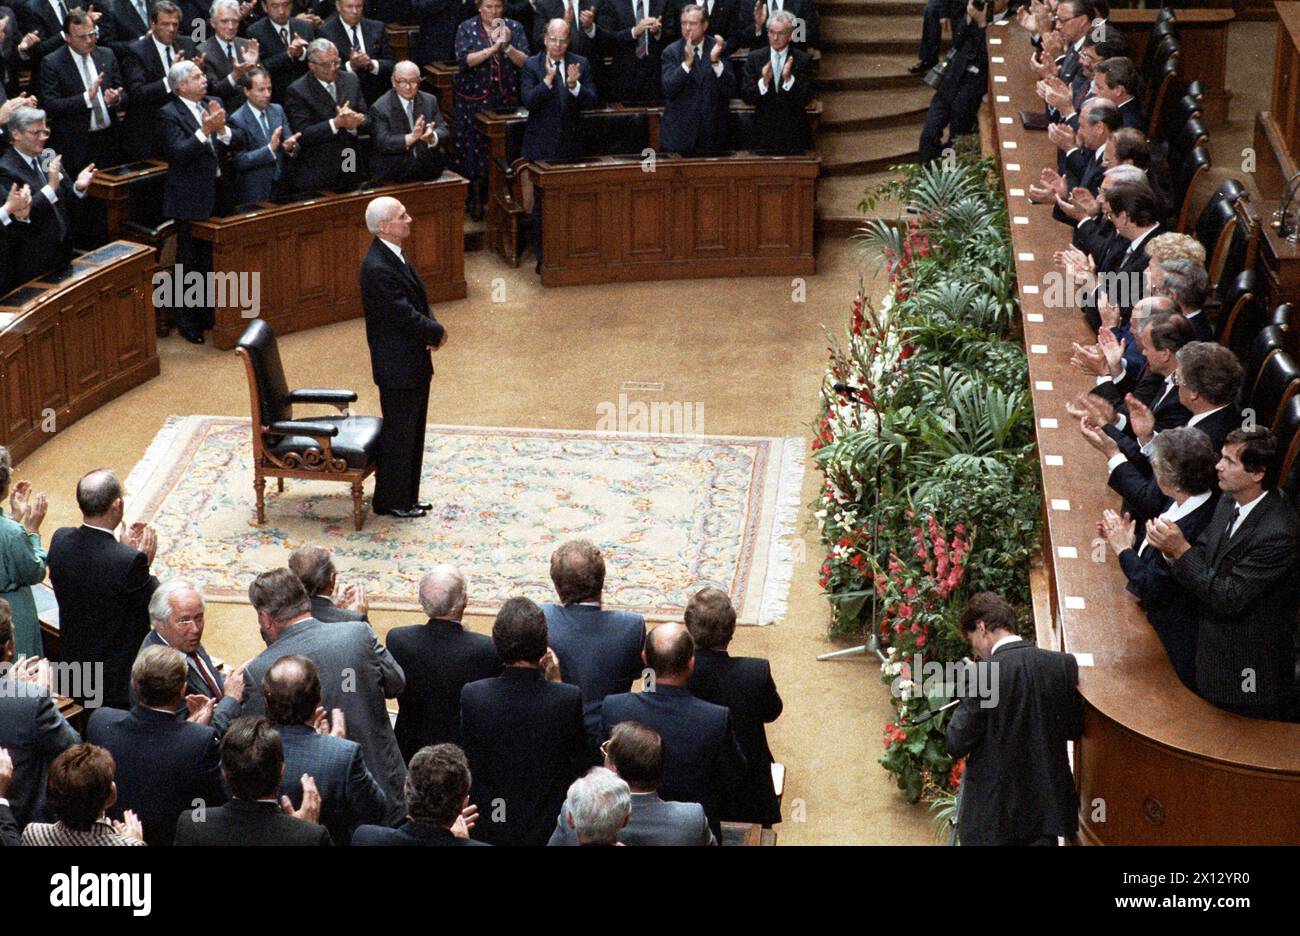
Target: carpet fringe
{"x": 138, "y": 480}
{"x": 784, "y": 547}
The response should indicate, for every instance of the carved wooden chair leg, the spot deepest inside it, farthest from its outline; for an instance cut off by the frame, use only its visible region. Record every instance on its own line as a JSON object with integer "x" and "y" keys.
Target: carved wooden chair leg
{"x": 259, "y": 485}
{"x": 280, "y": 482}
{"x": 358, "y": 518}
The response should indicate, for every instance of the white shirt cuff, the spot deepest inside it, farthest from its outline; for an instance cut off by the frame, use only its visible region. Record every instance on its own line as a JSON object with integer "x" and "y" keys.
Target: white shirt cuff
{"x": 788, "y": 84}
{"x": 1123, "y": 369}
{"x": 200, "y": 135}
{"x": 4, "y": 216}
{"x": 1115, "y": 461}
{"x": 89, "y": 104}
{"x": 1120, "y": 421}
{"x": 334, "y": 127}
{"x": 762, "y": 86}
{"x": 717, "y": 69}
{"x": 49, "y": 193}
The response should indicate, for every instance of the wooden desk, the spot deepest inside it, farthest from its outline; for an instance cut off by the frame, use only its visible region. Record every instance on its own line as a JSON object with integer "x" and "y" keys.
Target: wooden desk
{"x": 1169, "y": 767}
{"x": 609, "y": 221}
{"x": 69, "y": 346}
{"x": 113, "y": 187}
{"x": 439, "y": 77}
{"x": 1277, "y": 130}
{"x": 400, "y": 37}
{"x": 1203, "y": 38}
{"x": 307, "y": 254}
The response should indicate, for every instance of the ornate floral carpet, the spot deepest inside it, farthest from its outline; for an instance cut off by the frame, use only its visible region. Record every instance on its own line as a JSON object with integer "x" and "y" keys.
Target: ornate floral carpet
{"x": 672, "y": 514}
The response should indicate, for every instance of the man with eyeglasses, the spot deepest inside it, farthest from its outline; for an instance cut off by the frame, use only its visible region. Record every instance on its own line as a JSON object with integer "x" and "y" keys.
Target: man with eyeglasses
{"x": 81, "y": 90}
{"x": 43, "y": 242}
{"x": 283, "y": 39}
{"x": 1061, "y": 47}
{"x": 176, "y": 613}
{"x": 407, "y": 131}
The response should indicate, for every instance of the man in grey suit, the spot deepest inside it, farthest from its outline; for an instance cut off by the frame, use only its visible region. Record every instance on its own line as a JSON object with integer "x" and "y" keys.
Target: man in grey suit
{"x": 315, "y": 569}
{"x": 176, "y": 612}
{"x": 636, "y": 753}
{"x": 262, "y": 170}
{"x": 407, "y": 131}
{"x": 227, "y": 57}
{"x": 356, "y": 672}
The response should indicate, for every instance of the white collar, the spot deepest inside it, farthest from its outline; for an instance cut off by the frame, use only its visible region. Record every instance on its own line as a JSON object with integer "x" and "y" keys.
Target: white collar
{"x": 1200, "y": 416}
{"x": 1141, "y": 238}
{"x": 91, "y": 526}
{"x": 1243, "y": 510}
{"x": 1010, "y": 638}
{"x": 1177, "y": 511}
{"x": 394, "y": 248}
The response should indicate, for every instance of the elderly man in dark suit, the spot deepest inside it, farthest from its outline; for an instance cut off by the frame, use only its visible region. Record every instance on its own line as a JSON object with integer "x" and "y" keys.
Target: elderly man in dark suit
{"x": 702, "y": 758}
{"x": 634, "y": 33}
{"x": 326, "y": 106}
{"x": 282, "y": 41}
{"x": 1017, "y": 788}
{"x": 315, "y": 569}
{"x": 401, "y": 332}
{"x": 745, "y": 686}
{"x": 227, "y": 57}
{"x": 165, "y": 764}
{"x": 357, "y": 674}
{"x": 698, "y": 84}
{"x": 438, "y": 810}
{"x": 1241, "y": 574}
{"x": 407, "y": 131}
{"x": 81, "y": 89}
{"x": 778, "y": 83}
{"x": 316, "y": 744}
{"x": 252, "y": 763}
{"x": 177, "y": 613}
{"x": 145, "y": 65}
{"x": 440, "y": 658}
{"x": 599, "y": 650}
{"x": 42, "y": 242}
{"x": 32, "y": 730}
{"x": 262, "y": 170}
{"x": 522, "y": 732}
{"x": 363, "y": 46}
{"x": 103, "y": 586}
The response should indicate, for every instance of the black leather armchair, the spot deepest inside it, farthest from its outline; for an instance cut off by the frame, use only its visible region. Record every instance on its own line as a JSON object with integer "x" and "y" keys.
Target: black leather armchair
{"x": 320, "y": 448}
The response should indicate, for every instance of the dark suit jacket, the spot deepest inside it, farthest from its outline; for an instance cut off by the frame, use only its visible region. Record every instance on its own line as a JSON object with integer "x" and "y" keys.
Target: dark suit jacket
{"x": 1244, "y": 587}
{"x": 799, "y": 9}
{"x": 731, "y": 19}
{"x": 552, "y": 130}
{"x": 274, "y": 54}
{"x": 440, "y": 658}
{"x": 1129, "y": 284}
{"x": 1017, "y": 786}
{"x": 10, "y": 835}
{"x": 191, "y": 191}
{"x": 745, "y": 686}
{"x": 121, "y": 25}
{"x": 374, "y": 36}
{"x": 326, "y": 611}
{"x": 631, "y": 78}
{"x": 780, "y": 123}
{"x": 103, "y": 589}
{"x": 145, "y": 70}
{"x": 61, "y": 97}
{"x": 259, "y": 173}
{"x": 580, "y": 44}
{"x": 43, "y": 242}
{"x": 391, "y": 160}
{"x": 164, "y": 764}
{"x": 245, "y": 822}
{"x": 696, "y": 114}
{"x": 399, "y": 325}
{"x": 217, "y": 66}
{"x": 438, "y": 21}
{"x": 34, "y": 733}
{"x": 10, "y": 61}
{"x": 320, "y": 160}
{"x": 525, "y": 743}
{"x": 39, "y": 17}
{"x": 599, "y": 651}
{"x": 408, "y": 833}
{"x": 702, "y": 759}
{"x": 225, "y": 711}
{"x": 350, "y": 796}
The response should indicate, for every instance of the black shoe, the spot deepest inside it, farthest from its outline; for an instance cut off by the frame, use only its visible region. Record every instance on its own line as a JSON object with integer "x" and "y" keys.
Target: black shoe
{"x": 420, "y": 505}
{"x": 538, "y": 268}
{"x": 920, "y": 68}
{"x": 406, "y": 514}
{"x": 194, "y": 338}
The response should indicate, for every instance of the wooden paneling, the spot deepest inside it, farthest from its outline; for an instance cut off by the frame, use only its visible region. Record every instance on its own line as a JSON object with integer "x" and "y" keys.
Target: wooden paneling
{"x": 1203, "y": 38}
{"x": 1277, "y": 130}
{"x": 307, "y": 255}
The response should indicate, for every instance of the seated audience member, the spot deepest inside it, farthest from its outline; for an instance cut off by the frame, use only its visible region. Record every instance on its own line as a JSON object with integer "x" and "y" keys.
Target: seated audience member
{"x": 81, "y": 89}
{"x": 1065, "y": 100}
{"x": 41, "y": 243}
{"x": 1182, "y": 461}
{"x": 407, "y": 131}
{"x": 634, "y": 33}
{"x": 362, "y": 44}
{"x": 176, "y": 612}
{"x": 326, "y": 107}
{"x": 1117, "y": 80}
{"x": 636, "y": 755}
{"x": 165, "y": 764}
{"x": 956, "y": 102}
{"x": 262, "y": 170}
{"x": 702, "y": 759}
{"x": 597, "y": 807}
{"x": 282, "y": 41}
{"x": 778, "y": 83}
{"x": 745, "y": 686}
{"x": 522, "y": 732}
{"x": 1084, "y": 162}
{"x": 1186, "y": 283}
{"x": 1059, "y": 53}
{"x": 10, "y": 835}
{"x": 1174, "y": 246}
{"x": 252, "y": 763}
{"x": 599, "y": 650}
{"x": 1240, "y": 575}
{"x": 1160, "y": 336}
{"x": 103, "y": 587}
{"x": 1135, "y": 215}
{"x": 349, "y": 795}
{"x": 439, "y": 658}
{"x": 314, "y": 567}
{"x": 357, "y": 673}
{"x": 807, "y": 26}
{"x": 32, "y": 730}
{"x": 438, "y": 810}
{"x": 22, "y": 558}
{"x": 146, "y": 65}
{"x": 1094, "y": 235}
{"x": 698, "y": 84}
{"x": 227, "y": 57}
{"x": 80, "y": 791}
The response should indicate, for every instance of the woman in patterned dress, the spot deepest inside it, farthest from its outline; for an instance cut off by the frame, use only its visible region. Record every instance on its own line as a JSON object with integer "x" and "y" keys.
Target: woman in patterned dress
{"x": 490, "y": 51}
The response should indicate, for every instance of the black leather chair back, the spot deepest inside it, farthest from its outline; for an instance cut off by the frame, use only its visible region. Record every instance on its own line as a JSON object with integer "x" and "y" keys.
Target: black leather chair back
{"x": 1215, "y": 227}
{"x": 272, "y": 390}
{"x": 1162, "y": 34}
{"x": 1157, "y": 89}
{"x": 1185, "y": 138}
{"x": 1166, "y": 15}
{"x": 1281, "y": 317}
{"x": 1288, "y": 448}
{"x": 1240, "y": 317}
{"x": 1263, "y": 345}
{"x": 1278, "y": 381}
{"x": 1184, "y": 177}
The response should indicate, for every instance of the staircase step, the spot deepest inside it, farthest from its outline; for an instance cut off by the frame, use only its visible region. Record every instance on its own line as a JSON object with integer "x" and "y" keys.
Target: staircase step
{"x": 844, "y": 111}
{"x": 889, "y": 34}
{"x": 851, "y": 71}
{"x": 871, "y": 8}
{"x": 860, "y": 153}
{"x": 837, "y": 213}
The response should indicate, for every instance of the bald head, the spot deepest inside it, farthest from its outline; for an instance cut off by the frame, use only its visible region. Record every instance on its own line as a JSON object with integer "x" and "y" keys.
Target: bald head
{"x": 670, "y": 652}
{"x": 443, "y": 593}
{"x": 291, "y": 688}
{"x": 99, "y": 495}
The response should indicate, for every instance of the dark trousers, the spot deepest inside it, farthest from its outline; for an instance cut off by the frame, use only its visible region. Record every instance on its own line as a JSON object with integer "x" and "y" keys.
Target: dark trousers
{"x": 193, "y": 255}
{"x": 957, "y": 110}
{"x": 401, "y": 447}
{"x": 932, "y": 30}
{"x": 537, "y": 224}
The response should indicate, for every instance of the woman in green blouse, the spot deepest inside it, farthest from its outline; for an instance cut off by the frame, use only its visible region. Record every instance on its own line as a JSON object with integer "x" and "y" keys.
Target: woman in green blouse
{"x": 22, "y": 558}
